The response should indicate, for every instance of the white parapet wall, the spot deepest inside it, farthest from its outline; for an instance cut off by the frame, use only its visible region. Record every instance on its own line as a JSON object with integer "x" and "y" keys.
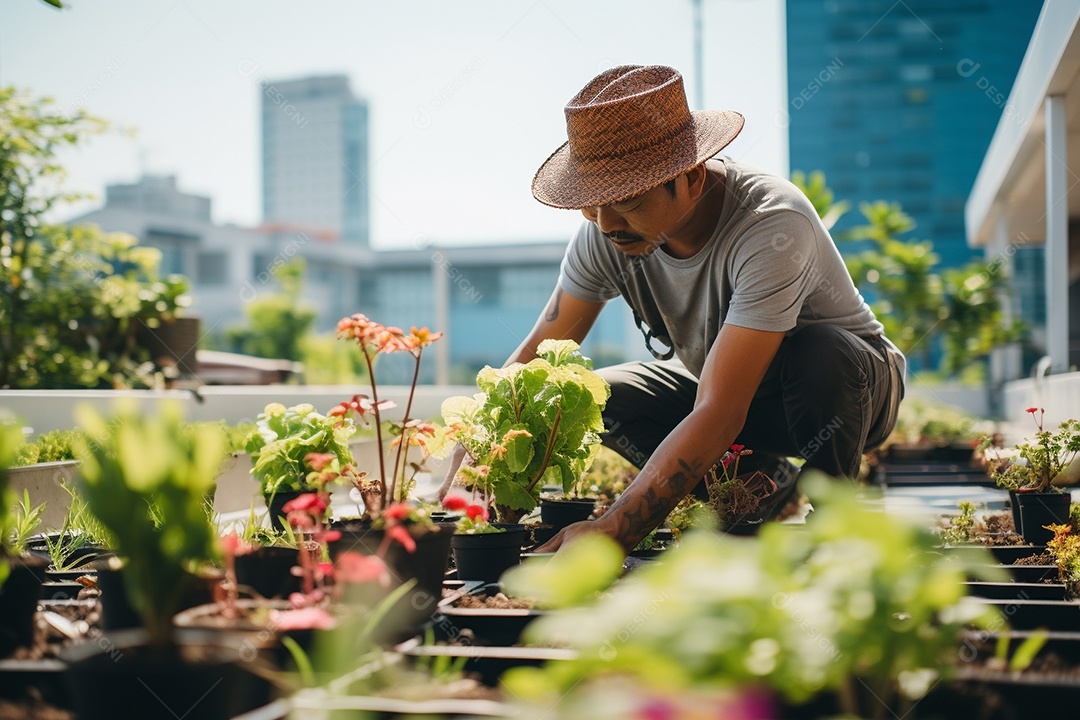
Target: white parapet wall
{"x": 1059, "y": 395}
{"x": 45, "y": 410}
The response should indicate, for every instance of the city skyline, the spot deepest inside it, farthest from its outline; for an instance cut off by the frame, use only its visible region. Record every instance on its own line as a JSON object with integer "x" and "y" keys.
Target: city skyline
{"x": 466, "y": 101}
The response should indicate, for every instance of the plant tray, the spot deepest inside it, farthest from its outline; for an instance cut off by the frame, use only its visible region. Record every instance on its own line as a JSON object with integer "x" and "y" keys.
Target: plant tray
{"x": 489, "y": 663}
{"x": 1016, "y": 590}
{"x": 1030, "y": 573}
{"x": 1056, "y": 615}
{"x": 484, "y": 626}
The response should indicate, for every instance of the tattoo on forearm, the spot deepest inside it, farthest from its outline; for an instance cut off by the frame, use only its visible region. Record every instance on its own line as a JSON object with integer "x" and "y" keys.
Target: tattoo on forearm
{"x": 656, "y": 502}
{"x": 553, "y": 313}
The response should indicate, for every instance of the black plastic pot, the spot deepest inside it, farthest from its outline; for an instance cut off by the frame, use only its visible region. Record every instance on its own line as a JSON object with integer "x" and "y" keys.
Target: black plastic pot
{"x": 1037, "y": 510}
{"x": 486, "y": 663}
{"x": 275, "y": 506}
{"x": 563, "y": 512}
{"x": 117, "y": 612}
{"x": 500, "y": 627}
{"x": 119, "y": 676}
{"x": 60, "y": 590}
{"x": 486, "y": 556}
{"x": 69, "y": 575}
{"x": 18, "y": 602}
{"x": 1016, "y": 590}
{"x": 268, "y": 571}
{"x": 1060, "y": 615}
{"x": 1014, "y": 509}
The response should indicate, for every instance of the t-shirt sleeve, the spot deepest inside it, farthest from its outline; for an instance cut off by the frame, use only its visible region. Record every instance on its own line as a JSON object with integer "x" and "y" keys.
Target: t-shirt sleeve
{"x": 772, "y": 272}
{"x": 585, "y": 272}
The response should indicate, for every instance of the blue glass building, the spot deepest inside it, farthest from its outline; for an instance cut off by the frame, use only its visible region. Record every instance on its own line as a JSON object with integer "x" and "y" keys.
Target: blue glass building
{"x": 898, "y": 101}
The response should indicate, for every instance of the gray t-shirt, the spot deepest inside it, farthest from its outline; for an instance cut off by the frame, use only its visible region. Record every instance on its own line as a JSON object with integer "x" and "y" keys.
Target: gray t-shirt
{"x": 769, "y": 265}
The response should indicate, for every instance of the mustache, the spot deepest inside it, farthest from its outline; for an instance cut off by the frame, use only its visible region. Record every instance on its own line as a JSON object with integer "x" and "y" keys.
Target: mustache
{"x": 623, "y": 236}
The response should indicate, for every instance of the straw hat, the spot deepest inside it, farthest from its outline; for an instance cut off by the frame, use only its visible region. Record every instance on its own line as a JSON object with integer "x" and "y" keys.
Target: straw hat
{"x": 630, "y": 130}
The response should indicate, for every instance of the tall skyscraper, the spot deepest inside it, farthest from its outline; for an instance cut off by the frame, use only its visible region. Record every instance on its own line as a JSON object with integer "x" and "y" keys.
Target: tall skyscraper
{"x": 898, "y": 101}
{"x": 315, "y": 156}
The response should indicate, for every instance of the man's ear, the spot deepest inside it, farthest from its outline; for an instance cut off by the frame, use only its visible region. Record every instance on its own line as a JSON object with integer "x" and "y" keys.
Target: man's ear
{"x": 695, "y": 181}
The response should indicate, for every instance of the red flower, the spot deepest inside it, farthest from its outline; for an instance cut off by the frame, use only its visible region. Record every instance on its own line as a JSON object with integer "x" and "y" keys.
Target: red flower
{"x": 308, "y": 501}
{"x": 401, "y": 535}
{"x": 352, "y": 567}
{"x": 475, "y": 511}
{"x": 327, "y": 569}
{"x": 1032, "y": 410}
{"x": 397, "y": 511}
{"x": 318, "y": 461}
{"x": 331, "y": 536}
{"x": 454, "y": 502}
{"x": 736, "y": 448}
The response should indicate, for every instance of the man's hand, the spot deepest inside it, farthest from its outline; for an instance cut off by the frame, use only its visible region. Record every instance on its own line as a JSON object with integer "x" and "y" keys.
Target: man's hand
{"x": 456, "y": 459}
{"x": 572, "y": 532}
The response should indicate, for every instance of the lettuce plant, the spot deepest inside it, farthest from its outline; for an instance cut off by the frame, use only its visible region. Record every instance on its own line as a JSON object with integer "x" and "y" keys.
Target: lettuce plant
{"x": 531, "y": 424}
{"x": 284, "y": 437}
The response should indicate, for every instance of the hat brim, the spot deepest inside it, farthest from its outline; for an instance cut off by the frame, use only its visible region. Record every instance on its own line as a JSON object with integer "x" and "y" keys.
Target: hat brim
{"x": 564, "y": 181}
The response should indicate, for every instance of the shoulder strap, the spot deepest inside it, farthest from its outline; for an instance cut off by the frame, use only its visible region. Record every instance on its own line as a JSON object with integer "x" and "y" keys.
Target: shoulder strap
{"x": 652, "y": 327}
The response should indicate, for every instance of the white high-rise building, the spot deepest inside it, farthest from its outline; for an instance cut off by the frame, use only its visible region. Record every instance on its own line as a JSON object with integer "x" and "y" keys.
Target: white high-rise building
{"x": 315, "y": 157}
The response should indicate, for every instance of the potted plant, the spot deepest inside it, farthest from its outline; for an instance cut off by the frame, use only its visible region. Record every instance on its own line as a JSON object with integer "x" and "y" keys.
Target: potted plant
{"x": 147, "y": 480}
{"x": 532, "y": 424}
{"x": 858, "y": 614}
{"x": 737, "y": 500}
{"x": 19, "y": 573}
{"x": 424, "y": 547}
{"x": 1029, "y": 476}
{"x": 483, "y": 550}
{"x": 280, "y": 443}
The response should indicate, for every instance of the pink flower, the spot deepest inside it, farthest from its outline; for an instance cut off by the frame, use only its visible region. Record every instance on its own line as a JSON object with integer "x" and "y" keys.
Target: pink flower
{"x": 476, "y": 511}
{"x": 454, "y": 502}
{"x": 352, "y": 567}
{"x": 397, "y": 511}
{"x": 306, "y": 502}
{"x": 399, "y": 534}
{"x": 318, "y": 461}
{"x": 309, "y": 618}
{"x": 327, "y": 569}
{"x": 331, "y": 536}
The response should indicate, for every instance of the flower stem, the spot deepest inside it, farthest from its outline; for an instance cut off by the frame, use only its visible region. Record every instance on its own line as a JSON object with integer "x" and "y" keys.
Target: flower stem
{"x": 547, "y": 451}
{"x": 378, "y": 425}
{"x": 404, "y": 425}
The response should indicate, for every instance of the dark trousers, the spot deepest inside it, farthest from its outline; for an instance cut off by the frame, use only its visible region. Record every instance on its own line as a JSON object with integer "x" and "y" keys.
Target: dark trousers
{"x": 827, "y": 397}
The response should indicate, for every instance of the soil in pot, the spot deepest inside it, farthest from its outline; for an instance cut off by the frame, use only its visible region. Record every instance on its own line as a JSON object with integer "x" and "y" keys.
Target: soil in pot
{"x": 486, "y": 556}
{"x": 119, "y": 676}
{"x": 268, "y": 571}
{"x": 486, "y": 616}
{"x": 565, "y": 511}
{"x": 18, "y": 602}
{"x": 1037, "y": 510}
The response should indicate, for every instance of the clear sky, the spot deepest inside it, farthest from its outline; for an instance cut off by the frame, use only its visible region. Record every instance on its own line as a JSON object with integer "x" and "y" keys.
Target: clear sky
{"x": 466, "y": 97}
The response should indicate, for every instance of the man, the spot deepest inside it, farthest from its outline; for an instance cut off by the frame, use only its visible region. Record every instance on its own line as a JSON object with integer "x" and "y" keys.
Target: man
{"x": 730, "y": 272}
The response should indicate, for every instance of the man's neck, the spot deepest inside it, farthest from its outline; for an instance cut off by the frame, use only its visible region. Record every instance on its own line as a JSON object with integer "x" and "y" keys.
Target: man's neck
{"x": 705, "y": 214}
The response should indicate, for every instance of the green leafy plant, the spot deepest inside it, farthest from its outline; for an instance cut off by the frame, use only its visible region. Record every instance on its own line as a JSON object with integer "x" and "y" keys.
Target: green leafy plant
{"x": 11, "y": 437}
{"x": 532, "y": 424}
{"x": 53, "y": 446}
{"x": 1065, "y": 549}
{"x": 25, "y": 521}
{"x": 1037, "y": 463}
{"x": 137, "y": 462}
{"x": 961, "y": 527}
{"x": 284, "y": 437}
{"x": 860, "y": 599}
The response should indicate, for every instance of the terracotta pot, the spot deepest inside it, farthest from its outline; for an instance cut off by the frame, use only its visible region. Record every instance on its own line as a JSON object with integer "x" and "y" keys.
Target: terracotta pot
{"x": 487, "y": 556}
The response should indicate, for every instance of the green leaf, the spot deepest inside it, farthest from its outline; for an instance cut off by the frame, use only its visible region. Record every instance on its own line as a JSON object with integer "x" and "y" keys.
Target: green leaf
{"x": 572, "y": 576}
{"x": 514, "y": 494}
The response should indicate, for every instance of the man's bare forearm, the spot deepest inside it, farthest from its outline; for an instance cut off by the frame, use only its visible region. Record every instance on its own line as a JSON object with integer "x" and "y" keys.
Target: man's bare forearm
{"x": 672, "y": 472}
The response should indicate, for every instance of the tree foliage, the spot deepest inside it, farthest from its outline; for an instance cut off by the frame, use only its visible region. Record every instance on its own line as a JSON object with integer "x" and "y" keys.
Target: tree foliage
{"x": 71, "y": 299}
{"x": 279, "y": 322}
{"x": 920, "y": 305}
